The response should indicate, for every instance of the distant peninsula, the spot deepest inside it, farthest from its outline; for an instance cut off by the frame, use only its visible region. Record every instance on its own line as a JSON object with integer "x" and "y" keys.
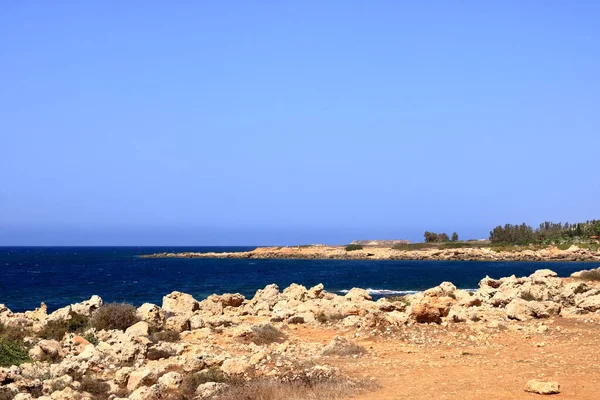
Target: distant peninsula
{"x": 470, "y": 252}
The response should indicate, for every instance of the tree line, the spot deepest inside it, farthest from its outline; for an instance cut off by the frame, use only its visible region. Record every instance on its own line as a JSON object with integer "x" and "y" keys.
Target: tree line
{"x": 546, "y": 233}
{"x": 431, "y": 237}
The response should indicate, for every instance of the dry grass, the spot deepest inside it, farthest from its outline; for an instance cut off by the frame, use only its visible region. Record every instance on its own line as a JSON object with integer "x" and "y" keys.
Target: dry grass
{"x": 266, "y": 334}
{"x": 114, "y": 316}
{"x": 345, "y": 350}
{"x": 263, "y": 389}
{"x": 165, "y": 336}
{"x": 95, "y": 387}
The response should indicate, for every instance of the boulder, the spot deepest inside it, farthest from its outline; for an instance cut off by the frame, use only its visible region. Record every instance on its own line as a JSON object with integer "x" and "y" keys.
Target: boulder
{"x": 590, "y": 303}
{"x": 140, "y": 376}
{"x": 295, "y": 292}
{"x": 171, "y": 380}
{"x": 425, "y": 312}
{"x": 178, "y": 323}
{"x": 357, "y": 295}
{"x": 179, "y": 303}
{"x": 210, "y": 389}
{"x": 235, "y": 366}
{"x": 152, "y": 314}
{"x": 315, "y": 291}
{"x": 138, "y": 329}
{"x": 542, "y": 387}
{"x": 522, "y": 310}
{"x": 232, "y": 299}
{"x": 46, "y": 350}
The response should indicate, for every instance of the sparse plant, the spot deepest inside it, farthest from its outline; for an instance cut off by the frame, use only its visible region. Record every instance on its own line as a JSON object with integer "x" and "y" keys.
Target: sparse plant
{"x": 266, "y": 334}
{"x": 310, "y": 388}
{"x": 94, "y": 386}
{"x": 323, "y": 318}
{"x": 165, "y": 336}
{"x": 90, "y": 337}
{"x": 114, "y": 316}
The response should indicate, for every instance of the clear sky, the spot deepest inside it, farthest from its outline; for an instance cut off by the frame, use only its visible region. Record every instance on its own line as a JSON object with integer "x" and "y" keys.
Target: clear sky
{"x": 263, "y": 122}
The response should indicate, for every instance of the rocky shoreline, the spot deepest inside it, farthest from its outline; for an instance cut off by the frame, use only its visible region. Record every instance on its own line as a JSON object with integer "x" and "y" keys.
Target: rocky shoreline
{"x": 300, "y": 341}
{"x": 551, "y": 253}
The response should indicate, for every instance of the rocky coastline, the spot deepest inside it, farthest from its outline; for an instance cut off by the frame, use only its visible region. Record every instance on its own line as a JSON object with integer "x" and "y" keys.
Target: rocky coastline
{"x": 303, "y": 342}
{"x": 551, "y": 253}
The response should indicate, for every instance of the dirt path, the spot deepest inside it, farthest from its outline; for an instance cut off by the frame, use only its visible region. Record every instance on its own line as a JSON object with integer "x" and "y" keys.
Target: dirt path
{"x": 470, "y": 362}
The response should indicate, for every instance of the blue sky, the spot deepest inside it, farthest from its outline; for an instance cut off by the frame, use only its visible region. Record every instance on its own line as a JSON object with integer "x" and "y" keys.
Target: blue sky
{"x": 258, "y": 122}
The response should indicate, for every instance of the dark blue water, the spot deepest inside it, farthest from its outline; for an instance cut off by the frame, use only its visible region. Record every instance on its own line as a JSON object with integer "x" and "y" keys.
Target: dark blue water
{"x": 63, "y": 275}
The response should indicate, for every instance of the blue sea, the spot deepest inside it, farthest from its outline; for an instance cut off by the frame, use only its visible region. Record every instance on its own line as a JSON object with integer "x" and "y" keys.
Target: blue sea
{"x": 60, "y": 276}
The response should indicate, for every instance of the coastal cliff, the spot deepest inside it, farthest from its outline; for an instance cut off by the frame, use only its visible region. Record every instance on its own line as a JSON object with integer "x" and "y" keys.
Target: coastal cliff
{"x": 551, "y": 253}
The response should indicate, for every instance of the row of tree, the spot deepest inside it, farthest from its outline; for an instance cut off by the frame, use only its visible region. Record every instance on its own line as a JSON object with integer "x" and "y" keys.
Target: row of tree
{"x": 431, "y": 237}
{"x": 546, "y": 233}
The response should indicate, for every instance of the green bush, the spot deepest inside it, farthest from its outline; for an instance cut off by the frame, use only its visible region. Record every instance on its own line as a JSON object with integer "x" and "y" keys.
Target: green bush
{"x": 12, "y": 353}
{"x": 114, "y": 316}
{"x": 352, "y": 247}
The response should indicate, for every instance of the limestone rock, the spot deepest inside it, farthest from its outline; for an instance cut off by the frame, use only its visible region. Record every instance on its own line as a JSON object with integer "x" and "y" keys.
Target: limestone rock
{"x": 356, "y": 295}
{"x": 152, "y": 314}
{"x": 179, "y": 303}
{"x": 171, "y": 380}
{"x": 425, "y": 313}
{"x": 46, "y": 350}
{"x": 235, "y": 366}
{"x": 542, "y": 387}
{"x": 209, "y": 389}
{"x": 138, "y": 329}
{"x": 522, "y": 310}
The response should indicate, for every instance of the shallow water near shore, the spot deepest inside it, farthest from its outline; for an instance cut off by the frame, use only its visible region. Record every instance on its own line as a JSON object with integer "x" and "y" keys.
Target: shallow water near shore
{"x": 63, "y": 275}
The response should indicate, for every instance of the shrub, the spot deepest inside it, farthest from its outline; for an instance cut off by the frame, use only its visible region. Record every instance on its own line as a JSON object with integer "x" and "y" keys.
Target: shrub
{"x": 344, "y": 349}
{"x": 266, "y": 334}
{"x": 165, "y": 336}
{"x": 402, "y": 299}
{"x": 353, "y": 247}
{"x": 94, "y": 386}
{"x": 57, "y": 329}
{"x": 114, "y": 316}
{"x": 12, "y": 353}
{"x": 6, "y": 394}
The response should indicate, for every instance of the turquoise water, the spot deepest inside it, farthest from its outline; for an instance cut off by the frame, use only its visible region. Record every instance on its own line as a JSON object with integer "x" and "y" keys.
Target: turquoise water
{"x": 63, "y": 275}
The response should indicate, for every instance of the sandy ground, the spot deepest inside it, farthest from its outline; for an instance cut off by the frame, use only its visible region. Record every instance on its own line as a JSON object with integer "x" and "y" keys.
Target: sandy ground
{"x": 474, "y": 362}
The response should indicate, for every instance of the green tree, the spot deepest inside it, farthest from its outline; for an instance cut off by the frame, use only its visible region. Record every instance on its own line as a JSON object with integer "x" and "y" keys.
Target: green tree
{"x": 455, "y": 237}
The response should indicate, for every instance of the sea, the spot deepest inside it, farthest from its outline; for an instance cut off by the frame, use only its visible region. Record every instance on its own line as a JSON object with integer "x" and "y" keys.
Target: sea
{"x": 59, "y": 276}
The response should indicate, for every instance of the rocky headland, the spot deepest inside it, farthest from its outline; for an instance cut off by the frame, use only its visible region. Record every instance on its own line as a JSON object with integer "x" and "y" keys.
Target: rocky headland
{"x": 551, "y": 253}
{"x": 513, "y": 337}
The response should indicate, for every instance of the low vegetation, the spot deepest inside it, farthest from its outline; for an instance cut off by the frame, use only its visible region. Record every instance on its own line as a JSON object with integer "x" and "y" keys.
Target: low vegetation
{"x": 165, "y": 336}
{"x": 56, "y": 330}
{"x": 345, "y": 350}
{"x": 13, "y": 350}
{"x": 266, "y": 334}
{"x": 353, "y": 247}
{"x": 114, "y": 316}
{"x": 268, "y": 389}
